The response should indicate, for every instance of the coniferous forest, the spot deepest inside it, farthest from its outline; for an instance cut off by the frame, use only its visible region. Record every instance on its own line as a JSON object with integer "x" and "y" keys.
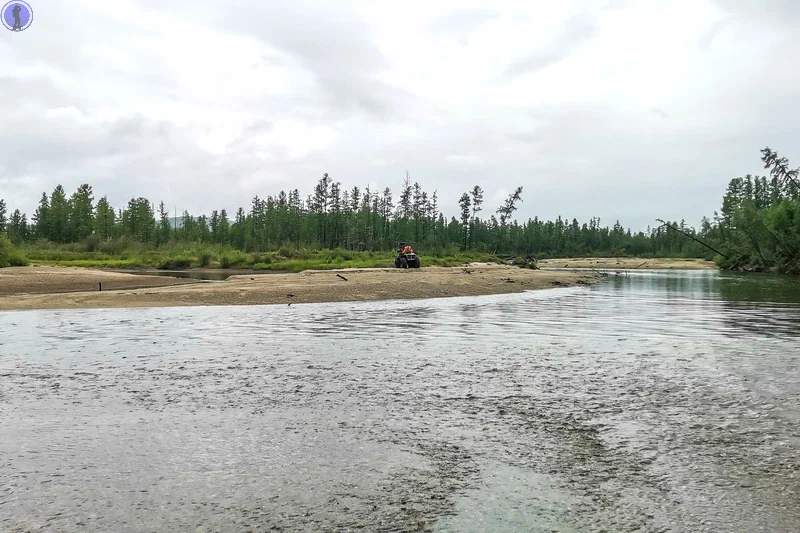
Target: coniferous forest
{"x": 757, "y": 228}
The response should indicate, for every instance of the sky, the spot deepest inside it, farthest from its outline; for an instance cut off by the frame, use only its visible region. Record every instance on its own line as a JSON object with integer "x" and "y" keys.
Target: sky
{"x": 623, "y": 110}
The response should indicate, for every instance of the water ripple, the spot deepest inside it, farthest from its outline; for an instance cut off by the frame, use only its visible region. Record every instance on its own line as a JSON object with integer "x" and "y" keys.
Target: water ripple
{"x": 653, "y": 402}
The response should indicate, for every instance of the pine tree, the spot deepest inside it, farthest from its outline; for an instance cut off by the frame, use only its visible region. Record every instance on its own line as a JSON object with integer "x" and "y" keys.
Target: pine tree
{"x": 387, "y": 206}
{"x": 223, "y": 228}
{"x": 416, "y": 208}
{"x": 39, "y": 220}
{"x": 336, "y": 213}
{"x": 58, "y": 230}
{"x": 374, "y": 224}
{"x": 319, "y": 205}
{"x": 214, "y": 223}
{"x": 238, "y": 230}
{"x": 81, "y": 213}
{"x": 138, "y": 220}
{"x": 366, "y": 218}
{"x": 464, "y": 202}
{"x": 435, "y": 215}
{"x": 104, "y": 219}
{"x": 477, "y": 201}
{"x": 506, "y": 211}
{"x": 3, "y": 219}
{"x": 204, "y": 235}
{"x": 404, "y": 206}
{"x": 164, "y": 229}
{"x": 17, "y": 227}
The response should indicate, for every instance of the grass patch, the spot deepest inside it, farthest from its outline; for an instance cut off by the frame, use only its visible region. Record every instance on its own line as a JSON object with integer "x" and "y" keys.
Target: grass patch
{"x": 94, "y": 263}
{"x": 286, "y": 259}
{"x": 175, "y": 263}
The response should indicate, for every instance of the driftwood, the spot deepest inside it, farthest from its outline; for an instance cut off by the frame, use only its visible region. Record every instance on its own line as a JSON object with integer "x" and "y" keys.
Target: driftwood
{"x": 100, "y": 286}
{"x": 637, "y": 266}
{"x": 599, "y": 273}
{"x": 340, "y": 276}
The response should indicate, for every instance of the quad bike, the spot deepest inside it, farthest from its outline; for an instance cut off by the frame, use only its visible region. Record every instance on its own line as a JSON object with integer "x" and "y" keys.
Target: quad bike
{"x": 405, "y": 259}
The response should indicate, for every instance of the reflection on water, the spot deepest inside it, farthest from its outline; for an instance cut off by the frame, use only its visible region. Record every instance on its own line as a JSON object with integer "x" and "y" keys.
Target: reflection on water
{"x": 661, "y": 401}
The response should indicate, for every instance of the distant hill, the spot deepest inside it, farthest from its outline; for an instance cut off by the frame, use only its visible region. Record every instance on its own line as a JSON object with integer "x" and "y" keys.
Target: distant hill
{"x": 176, "y": 222}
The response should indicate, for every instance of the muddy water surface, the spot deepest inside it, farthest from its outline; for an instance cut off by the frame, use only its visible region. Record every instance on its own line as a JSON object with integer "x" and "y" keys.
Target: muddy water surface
{"x": 664, "y": 401}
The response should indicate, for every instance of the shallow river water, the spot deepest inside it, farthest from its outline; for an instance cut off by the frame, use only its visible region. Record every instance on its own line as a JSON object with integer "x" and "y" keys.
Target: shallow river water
{"x": 661, "y": 401}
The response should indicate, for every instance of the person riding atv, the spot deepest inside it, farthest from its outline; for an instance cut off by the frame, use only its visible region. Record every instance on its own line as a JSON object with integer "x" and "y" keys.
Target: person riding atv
{"x": 406, "y": 258}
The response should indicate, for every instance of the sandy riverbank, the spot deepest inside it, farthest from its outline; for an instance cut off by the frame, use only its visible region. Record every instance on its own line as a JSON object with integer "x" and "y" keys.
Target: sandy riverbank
{"x": 18, "y": 284}
{"x": 18, "y": 281}
{"x": 628, "y": 263}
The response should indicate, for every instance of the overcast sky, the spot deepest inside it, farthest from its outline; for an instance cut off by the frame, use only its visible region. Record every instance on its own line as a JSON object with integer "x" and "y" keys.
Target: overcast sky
{"x": 629, "y": 110}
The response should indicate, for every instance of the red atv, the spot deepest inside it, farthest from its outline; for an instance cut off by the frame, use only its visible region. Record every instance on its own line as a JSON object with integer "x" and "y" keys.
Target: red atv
{"x": 406, "y": 258}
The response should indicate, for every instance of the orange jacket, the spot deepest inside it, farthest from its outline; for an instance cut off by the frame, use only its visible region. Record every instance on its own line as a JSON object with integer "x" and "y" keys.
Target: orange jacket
{"x": 408, "y": 250}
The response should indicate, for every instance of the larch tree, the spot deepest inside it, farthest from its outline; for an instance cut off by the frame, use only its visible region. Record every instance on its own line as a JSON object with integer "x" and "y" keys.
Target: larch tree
{"x": 477, "y": 201}
{"x": 464, "y": 203}
{"x": 3, "y": 220}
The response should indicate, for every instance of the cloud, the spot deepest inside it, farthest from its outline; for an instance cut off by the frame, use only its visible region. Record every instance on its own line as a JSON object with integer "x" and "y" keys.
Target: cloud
{"x": 500, "y": 196}
{"x": 623, "y": 110}
{"x": 659, "y": 112}
{"x": 576, "y": 31}
{"x": 465, "y": 161}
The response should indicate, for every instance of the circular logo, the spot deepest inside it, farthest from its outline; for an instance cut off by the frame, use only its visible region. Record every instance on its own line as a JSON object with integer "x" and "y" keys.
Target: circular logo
{"x": 17, "y": 15}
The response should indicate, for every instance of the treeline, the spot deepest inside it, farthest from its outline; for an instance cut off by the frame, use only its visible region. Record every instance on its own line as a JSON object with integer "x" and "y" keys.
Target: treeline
{"x": 758, "y": 226}
{"x": 334, "y": 217}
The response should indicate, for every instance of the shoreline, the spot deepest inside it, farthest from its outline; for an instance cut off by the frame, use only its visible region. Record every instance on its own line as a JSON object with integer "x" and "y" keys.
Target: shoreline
{"x": 31, "y": 288}
{"x": 626, "y": 263}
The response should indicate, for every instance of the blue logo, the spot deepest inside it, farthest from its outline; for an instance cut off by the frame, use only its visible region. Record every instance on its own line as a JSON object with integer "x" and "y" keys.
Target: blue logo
{"x": 17, "y": 15}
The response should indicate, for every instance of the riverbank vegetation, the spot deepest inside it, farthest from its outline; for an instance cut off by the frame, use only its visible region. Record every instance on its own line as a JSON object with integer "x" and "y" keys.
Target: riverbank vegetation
{"x": 9, "y": 255}
{"x": 179, "y": 256}
{"x": 332, "y": 226}
{"x": 758, "y": 228}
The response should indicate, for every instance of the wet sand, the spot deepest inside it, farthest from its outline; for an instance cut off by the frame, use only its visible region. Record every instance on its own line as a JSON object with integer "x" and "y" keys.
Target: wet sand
{"x": 18, "y": 281}
{"x": 628, "y": 263}
{"x": 52, "y": 287}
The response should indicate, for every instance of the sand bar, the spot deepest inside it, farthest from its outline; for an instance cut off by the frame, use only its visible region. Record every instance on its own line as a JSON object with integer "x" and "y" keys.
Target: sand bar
{"x": 628, "y": 263}
{"x": 27, "y": 287}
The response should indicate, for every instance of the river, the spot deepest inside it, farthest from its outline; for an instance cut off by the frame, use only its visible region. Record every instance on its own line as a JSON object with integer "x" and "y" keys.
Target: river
{"x": 660, "y": 401}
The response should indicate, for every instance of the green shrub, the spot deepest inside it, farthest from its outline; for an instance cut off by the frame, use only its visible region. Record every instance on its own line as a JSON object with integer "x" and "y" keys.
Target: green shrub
{"x": 92, "y": 243}
{"x": 205, "y": 259}
{"x": 118, "y": 246}
{"x": 264, "y": 259}
{"x": 9, "y": 255}
{"x": 175, "y": 263}
{"x": 287, "y": 250}
{"x": 233, "y": 259}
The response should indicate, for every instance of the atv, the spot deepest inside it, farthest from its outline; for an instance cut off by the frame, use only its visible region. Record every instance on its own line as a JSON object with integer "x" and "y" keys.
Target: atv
{"x": 405, "y": 259}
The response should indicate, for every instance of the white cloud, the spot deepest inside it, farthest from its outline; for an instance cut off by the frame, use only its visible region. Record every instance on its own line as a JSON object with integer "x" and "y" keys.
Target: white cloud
{"x": 626, "y": 110}
{"x": 465, "y": 161}
{"x": 500, "y": 196}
